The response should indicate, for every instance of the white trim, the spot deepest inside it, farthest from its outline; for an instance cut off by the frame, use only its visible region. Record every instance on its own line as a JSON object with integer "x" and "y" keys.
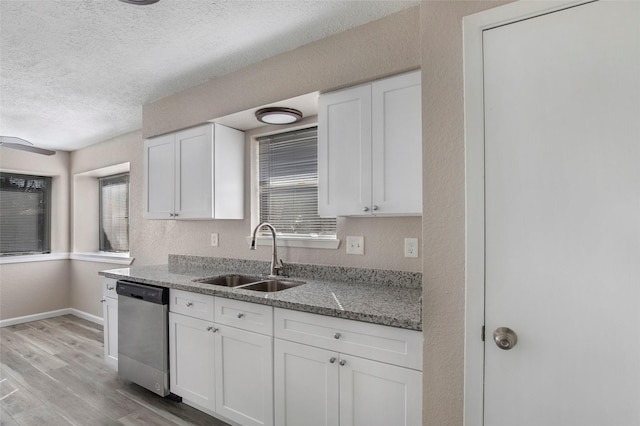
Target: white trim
{"x": 304, "y": 242}
{"x": 33, "y": 258}
{"x": 120, "y": 259}
{"x": 87, "y": 316}
{"x": 473, "y": 27}
{"x": 117, "y": 258}
{"x": 50, "y": 314}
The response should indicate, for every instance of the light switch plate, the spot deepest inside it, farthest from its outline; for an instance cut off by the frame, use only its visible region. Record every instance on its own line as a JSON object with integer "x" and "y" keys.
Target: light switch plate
{"x": 410, "y": 247}
{"x": 214, "y": 239}
{"x": 355, "y": 245}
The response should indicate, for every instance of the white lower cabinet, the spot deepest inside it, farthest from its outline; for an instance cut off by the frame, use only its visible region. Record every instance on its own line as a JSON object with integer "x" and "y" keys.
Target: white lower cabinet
{"x": 306, "y": 385}
{"x": 322, "y": 382}
{"x": 317, "y": 387}
{"x": 244, "y": 376}
{"x": 110, "y": 321}
{"x": 317, "y": 371}
{"x": 223, "y": 370}
{"x": 191, "y": 360}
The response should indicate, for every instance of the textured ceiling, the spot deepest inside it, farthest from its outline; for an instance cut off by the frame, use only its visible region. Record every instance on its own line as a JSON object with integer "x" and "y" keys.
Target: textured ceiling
{"x": 76, "y": 72}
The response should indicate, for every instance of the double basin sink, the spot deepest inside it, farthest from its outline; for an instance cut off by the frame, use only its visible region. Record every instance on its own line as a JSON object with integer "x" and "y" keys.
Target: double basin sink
{"x": 248, "y": 282}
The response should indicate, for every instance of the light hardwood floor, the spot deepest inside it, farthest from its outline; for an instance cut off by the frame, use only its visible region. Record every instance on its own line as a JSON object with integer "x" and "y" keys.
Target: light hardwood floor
{"x": 52, "y": 373}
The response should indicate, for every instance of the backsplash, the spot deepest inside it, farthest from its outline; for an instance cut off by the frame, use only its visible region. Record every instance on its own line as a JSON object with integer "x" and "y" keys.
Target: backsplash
{"x": 299, "y": 270}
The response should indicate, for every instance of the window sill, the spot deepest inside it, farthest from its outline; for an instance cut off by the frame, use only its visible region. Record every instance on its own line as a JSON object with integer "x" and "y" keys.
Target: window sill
{"x": 28, "y": 258}
{"x": 118, "y": 258}
{"x": 303, "y": 242}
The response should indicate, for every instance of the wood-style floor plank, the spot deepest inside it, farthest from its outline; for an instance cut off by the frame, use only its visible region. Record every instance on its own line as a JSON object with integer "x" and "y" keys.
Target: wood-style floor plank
{"x": 52, "y": 372}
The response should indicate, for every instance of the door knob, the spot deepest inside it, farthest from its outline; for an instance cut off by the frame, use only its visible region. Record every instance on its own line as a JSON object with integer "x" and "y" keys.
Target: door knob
{"x": 505, "y": 338}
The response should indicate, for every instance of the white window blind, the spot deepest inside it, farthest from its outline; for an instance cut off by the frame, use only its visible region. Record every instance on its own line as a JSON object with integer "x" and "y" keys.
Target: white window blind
{"x": 288, "y": 173}
{"x": 114, "y": 213}
{"x": 25, "y": 214}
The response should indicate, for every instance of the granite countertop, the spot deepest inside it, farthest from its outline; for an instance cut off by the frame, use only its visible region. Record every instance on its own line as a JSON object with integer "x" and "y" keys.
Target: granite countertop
{"x": 358, "y": 294}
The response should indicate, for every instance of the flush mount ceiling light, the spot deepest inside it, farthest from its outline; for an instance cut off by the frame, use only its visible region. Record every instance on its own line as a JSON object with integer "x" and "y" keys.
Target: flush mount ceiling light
{"x": 278, "y": 115}
{"x": 140, "y": 2}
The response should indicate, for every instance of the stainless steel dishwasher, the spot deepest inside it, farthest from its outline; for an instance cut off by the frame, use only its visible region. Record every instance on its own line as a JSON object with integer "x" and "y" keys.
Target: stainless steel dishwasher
{"x": 143, "y": 335}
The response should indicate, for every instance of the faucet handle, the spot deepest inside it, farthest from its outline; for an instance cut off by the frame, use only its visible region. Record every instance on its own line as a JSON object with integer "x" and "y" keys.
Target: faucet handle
{"x": 279, "y": 267}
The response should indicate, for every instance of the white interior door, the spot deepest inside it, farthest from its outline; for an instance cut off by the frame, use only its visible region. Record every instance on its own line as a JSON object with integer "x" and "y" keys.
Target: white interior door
{"x": 562, "y": 217}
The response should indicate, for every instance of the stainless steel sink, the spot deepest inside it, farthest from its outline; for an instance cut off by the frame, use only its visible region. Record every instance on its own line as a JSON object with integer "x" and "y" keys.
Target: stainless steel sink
{"x": 270, "y": 286}
{"x": 232, "y": 280}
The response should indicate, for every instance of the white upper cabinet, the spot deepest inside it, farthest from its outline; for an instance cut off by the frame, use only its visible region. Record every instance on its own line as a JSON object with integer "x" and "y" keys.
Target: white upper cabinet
{"x": 196, "y": 173}
{"x": 370, "y": 149}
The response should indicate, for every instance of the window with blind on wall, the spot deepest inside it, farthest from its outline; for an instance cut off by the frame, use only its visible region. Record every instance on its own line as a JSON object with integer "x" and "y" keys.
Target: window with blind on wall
{"x": 25, "y": 214}
{"x": 288, "y": 184}
{"x": 114, "y": 213}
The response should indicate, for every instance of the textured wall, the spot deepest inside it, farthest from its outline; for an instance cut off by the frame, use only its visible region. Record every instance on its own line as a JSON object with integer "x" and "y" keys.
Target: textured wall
{"x": 379, "y": 48}
{"x": 31, "y": 288}
{"x": 444, "y": 207}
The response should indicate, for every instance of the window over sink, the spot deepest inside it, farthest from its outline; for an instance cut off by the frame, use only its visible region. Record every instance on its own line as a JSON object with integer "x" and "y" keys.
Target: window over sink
{"x": 288, "y": 185}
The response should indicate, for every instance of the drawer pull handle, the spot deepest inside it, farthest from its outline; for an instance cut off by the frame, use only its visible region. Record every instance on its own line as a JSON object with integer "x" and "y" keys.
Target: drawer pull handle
{"x": 210, "y": 328}
{"x": 336, "y": 336}
{"x": 103, "y": 300}
{"x": 110, "y": 288}
{"x": 240, "y": 315}
{"x": 343, "y": 362}
{"x": 189, "y": 304}
{"x": 332, "y": 359}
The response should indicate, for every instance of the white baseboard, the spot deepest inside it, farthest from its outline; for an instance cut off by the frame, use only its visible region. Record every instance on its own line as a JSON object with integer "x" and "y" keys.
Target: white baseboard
{"x": 51, "y": 314}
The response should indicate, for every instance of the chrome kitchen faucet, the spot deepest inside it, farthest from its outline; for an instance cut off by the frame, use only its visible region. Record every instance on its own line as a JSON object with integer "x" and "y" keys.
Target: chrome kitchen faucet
{"x": 276, "y": 265}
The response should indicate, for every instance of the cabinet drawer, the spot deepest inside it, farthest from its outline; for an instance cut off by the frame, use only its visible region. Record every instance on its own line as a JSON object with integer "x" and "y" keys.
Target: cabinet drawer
{"x": 192, "y": 304}
{"x": 247, "y": 316}
{"x": 109, "y": 288}
{"x": 378, "y": 342}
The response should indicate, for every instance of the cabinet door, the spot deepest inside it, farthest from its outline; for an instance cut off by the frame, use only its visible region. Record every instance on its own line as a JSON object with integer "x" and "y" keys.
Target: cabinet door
{"x": 344, "y": 152}
{"x": 228, "y": 176}
{"x": 306, "y": 385}
{"x": 397, "y": 145}
{"x": 194, "y": 177}
{"x": 191, "y": 357}
{"x": 159, "y": 177}
{"x": 110, "y": 321}
{"x": 377, "y": 394}
{"x": 244, "y": 376}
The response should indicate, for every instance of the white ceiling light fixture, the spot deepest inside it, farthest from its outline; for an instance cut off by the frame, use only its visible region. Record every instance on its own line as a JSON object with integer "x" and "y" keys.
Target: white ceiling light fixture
{"x": 140, "y": 2}
{"x": 278, "y": 115}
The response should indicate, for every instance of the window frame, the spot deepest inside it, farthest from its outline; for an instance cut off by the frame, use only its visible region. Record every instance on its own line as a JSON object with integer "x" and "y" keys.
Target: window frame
{"x": 101, "y": 234}
{"x": 48, "y": 211}
{"x": 284, "y": 240}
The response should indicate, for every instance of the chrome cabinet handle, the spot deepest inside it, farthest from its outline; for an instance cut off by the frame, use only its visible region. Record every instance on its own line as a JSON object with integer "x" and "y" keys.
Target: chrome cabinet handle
{"x": 212, "y": 329}
{"x": 103, "y": 300}
{"x": 505, "y": 338}
{"x": 365, "y": 209}
{"x": 336, "y": 336}
{"x": 240, "y": 315}
{"x": 189, "y": 304}
{"x": 332, "y": 359}
{"x": 342, "y": 362}
{"x": 110, "y": 288}
{"x": 375, "y": 208}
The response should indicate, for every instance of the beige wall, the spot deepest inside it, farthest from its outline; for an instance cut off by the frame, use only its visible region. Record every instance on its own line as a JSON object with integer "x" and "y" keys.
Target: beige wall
{"x": 31, "y": 288}
{"x": 153, "y": 240}
{"x": 383, "y": 47}
{"x": 444, "y": 207}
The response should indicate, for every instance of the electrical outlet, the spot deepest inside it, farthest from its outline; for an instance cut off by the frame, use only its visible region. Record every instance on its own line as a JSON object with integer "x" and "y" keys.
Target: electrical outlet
{"x": 214, "y": 239}
{"x": 410, "y": 247}
{"x": 355, "y": 245}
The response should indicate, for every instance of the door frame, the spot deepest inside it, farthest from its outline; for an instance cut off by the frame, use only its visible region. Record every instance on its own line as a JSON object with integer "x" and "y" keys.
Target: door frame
{"x": 473, "y": 28}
